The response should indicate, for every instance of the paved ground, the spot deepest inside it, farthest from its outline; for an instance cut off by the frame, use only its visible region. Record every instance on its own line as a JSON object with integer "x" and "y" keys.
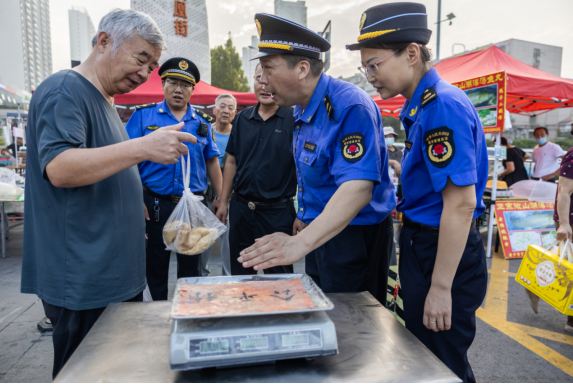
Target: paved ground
{"x": 512, "y": 343}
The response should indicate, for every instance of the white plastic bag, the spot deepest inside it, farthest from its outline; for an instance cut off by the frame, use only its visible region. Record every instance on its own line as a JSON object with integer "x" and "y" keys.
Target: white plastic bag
{"x": 192, "y": 228}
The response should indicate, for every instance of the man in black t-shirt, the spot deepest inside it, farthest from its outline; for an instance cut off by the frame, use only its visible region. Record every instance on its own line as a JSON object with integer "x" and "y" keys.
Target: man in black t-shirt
{"x": 15, "y": 147}
{"x": 261, "y": 170}
{"x": 514, "y": 167}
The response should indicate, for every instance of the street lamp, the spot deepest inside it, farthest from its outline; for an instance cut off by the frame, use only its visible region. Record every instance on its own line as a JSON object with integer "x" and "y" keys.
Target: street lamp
{"x": 448, "y": 18}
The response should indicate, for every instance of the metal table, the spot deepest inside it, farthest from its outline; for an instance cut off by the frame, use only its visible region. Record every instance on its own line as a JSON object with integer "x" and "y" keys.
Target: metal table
{"x": 5, "y": 228}
{"x": 130, "y": 343}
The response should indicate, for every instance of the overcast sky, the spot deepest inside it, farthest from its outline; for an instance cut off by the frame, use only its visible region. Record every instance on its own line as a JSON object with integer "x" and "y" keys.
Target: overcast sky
{"x": 477, "y": 23}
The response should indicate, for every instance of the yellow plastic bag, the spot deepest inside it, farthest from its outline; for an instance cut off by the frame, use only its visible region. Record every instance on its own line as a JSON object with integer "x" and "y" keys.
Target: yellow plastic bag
{"x": 549, "y": 274}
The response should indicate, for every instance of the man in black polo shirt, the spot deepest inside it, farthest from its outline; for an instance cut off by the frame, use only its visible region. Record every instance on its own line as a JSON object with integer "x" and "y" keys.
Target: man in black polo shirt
{"x": 260, "y": 168}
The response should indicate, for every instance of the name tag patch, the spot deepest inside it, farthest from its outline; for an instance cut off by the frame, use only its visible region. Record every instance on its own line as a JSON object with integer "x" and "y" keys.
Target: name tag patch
{"x": 309, "y": 146}
{"x": 152, "y": 127}
{"x": 440, "y": 146}
{"x": 352, "y": 147}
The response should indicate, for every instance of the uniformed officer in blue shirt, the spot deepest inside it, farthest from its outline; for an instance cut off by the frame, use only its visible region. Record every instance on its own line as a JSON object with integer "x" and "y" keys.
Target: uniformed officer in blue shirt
{"x": 345, "y": 196}
{"x": 163, "y": 184}
{"x": 442, "y": 265}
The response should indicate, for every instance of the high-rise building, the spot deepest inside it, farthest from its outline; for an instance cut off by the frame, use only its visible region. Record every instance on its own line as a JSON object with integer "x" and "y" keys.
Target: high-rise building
{"x": 26, "y": 57}
{"x": 247, "y": 65}
{"x": 185, "y": 29}
{"x": 291, "y": 10}
{"x": 82, "y": 32}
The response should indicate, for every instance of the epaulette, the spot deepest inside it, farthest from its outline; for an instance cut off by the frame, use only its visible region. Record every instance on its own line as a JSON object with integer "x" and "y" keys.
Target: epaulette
{"x": 145, "y": 106}
{"x": 329, "y": 107}
{"x": 207, "y": 117}
{"x": 428, "y": 96}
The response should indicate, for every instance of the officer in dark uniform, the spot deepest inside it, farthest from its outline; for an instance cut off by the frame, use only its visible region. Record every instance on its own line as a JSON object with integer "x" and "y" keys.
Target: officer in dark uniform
{"x": 444, "y": 171}
{"x": 345, "y": 195}
{"x": 163, "y": 184}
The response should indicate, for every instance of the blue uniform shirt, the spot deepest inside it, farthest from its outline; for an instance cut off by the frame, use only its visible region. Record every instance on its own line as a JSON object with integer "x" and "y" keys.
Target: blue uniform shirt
{"x": 337, "y": 138}
{"x": 168, "y": 179}
{"x": 444, "y": 139}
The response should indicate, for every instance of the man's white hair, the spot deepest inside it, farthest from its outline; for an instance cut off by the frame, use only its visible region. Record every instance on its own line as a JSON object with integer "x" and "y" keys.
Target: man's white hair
{"x": 122, "y": 24}
{"x": 226, "y": 96}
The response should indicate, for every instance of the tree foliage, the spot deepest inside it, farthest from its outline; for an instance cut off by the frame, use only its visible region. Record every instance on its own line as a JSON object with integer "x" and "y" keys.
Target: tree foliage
{"x": 226, "y": 69}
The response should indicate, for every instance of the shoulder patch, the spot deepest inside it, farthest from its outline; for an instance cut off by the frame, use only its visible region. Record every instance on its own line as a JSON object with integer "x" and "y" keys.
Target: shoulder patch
{"x": 213, "y": 134}
{"x": 352, "y": 146}
{"x": 428, "y": 96}
{"x": 145, "y": 105}
{"x": 207, "y": 117}
{"x": 440, "y": 146}
{"x": 329, "y": 107}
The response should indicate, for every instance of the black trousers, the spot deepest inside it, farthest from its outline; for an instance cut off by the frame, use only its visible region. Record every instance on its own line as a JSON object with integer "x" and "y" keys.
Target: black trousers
{"x": 70, "y": 328}
{"x": 355, "y": 260}
{"x": 157, "y": 258}
{"x": 417, "y": 258}
{"x": 246, "y": 225}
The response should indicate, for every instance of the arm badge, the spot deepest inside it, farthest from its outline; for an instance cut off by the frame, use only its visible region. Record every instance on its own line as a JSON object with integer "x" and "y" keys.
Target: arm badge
{"x": 440, "y": 146}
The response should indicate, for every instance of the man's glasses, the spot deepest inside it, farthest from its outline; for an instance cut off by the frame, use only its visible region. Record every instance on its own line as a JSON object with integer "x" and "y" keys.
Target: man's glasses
{"x": 184, "y": 86}
{"x": 372, "y": 68}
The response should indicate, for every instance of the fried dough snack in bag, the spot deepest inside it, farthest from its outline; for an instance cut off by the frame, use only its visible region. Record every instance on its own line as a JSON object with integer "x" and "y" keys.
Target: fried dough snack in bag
{"x": 192, "y": 228}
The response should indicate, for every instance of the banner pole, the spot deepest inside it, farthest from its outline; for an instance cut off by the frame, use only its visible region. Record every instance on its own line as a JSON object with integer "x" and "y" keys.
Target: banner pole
{"x": 493, "y": 194}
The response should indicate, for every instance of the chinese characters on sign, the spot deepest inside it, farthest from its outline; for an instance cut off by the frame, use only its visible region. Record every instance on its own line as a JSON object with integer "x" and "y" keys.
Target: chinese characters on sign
{"x": 522, "y": 223}
{"x": 180, "y": 11}
{"x": 487, "y": 94}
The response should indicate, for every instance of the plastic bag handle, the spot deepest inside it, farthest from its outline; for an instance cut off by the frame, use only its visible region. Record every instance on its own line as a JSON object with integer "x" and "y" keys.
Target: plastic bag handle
{"x": 186, "y": 170}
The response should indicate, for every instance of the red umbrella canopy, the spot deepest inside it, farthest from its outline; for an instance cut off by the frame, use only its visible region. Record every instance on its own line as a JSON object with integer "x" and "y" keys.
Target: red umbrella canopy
{"x": 529, "y": 89}
{"x": 203, "y": 94}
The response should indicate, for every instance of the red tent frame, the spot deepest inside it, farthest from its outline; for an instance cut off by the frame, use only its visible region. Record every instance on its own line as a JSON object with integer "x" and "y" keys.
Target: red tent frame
{"x": 530, "y": 91}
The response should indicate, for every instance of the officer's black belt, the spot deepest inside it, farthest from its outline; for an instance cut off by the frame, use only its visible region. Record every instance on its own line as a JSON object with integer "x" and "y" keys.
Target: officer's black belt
{"x": 172, "y": 198}
{"x": 414, "y": 226}
{"x": 264, "y": 206}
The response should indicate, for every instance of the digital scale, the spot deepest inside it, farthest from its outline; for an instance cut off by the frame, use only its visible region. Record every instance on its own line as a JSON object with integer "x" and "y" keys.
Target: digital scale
{"x": 248, "y": 339}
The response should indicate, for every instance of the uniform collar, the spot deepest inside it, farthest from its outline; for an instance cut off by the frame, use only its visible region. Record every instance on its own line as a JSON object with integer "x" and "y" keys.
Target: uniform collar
{"x": 411, "y": 108}
{"x": 281, "y": 112}
{"x": 314, "y": 102}
{"x": 164, "y": 109}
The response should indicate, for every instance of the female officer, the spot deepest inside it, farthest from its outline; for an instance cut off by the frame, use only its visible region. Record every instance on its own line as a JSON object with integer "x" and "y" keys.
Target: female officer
{"x": 444, "y": 172}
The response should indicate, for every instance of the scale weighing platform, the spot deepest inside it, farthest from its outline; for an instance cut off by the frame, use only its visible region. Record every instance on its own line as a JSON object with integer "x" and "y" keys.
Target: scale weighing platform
{"x": 245, "y": 339}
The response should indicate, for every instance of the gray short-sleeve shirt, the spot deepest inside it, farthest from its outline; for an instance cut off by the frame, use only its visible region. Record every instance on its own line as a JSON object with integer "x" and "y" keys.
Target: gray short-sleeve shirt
{"x": 84, "y": 247}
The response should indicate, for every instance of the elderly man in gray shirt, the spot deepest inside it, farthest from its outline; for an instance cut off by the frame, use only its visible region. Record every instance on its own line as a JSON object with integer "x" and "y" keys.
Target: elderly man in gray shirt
{"x": 84, "y": 232}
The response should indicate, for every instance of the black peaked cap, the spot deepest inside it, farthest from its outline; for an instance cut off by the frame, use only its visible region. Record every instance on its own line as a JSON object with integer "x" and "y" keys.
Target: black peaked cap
{"x": 393, "y": 23}
{"x": 281, "y": 36}
{"x": 180, "y": 68}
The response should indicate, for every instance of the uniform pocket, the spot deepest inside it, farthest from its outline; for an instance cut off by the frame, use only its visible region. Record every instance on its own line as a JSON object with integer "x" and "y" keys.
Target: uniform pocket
{"x": 308, "y": 166}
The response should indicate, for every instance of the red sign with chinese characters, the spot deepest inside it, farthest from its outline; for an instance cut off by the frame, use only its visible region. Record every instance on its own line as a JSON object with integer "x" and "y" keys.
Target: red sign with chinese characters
{"x": 524, "y": 223}
{"x": 487, "y": 94}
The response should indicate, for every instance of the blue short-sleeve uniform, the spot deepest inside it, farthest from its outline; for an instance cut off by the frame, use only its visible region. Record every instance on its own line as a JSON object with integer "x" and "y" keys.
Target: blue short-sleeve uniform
{"x": 337, "y": 138}
{"x": 167, "y": 179}
{"x": 445, "y": 140}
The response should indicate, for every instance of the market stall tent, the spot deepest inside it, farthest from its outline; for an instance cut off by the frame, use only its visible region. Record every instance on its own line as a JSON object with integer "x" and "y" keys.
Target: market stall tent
{"x": 203, "y": 94}
{"x": 530, "y": 91}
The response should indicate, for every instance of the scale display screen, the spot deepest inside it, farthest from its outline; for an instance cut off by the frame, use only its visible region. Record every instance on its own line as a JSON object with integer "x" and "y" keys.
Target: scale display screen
{"x": 254, "y": 343}
{"x": 214, "y": 346}
{"x": 261, "y": 343}
{"x": 292, "y": 340}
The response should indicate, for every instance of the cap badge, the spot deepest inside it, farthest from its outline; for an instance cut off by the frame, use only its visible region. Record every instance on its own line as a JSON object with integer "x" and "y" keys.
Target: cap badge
{"x": 362, "y": 21}
{"x": 183, "y": 65}
{"x": 259, "y": 28}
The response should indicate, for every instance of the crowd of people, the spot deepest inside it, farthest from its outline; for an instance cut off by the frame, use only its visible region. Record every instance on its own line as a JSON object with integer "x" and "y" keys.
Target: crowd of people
{"x": 96, "y": 189}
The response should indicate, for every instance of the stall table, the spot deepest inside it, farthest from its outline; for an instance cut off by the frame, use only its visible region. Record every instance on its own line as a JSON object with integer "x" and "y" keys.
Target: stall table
{"x": 130, "y": 343}
{"x": 4, "y": 224}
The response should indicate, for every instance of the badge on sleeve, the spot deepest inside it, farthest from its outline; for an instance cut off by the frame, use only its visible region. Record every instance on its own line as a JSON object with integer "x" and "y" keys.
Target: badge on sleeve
{"x": 440, "y": 146}
{"x": 352, "y": 147}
